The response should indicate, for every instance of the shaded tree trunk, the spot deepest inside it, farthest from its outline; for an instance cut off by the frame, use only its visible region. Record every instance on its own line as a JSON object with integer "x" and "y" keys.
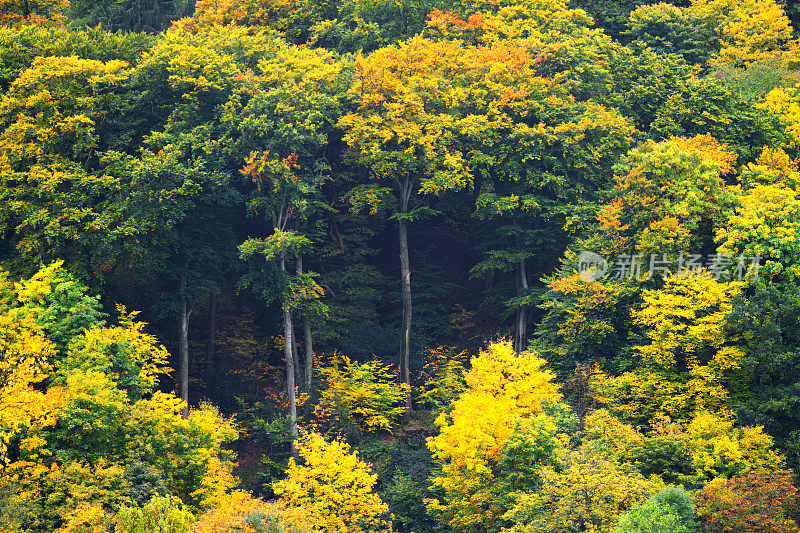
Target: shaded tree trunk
{"x": 287, "y": 353}
{"x": 183, "y": 348}
{"x": 405, "y": 281}
{"x": 295, "y": 358}
{"x": 308, "y": 343}
{"x": 521, "y": 335}
{"x": 309, "y": 352}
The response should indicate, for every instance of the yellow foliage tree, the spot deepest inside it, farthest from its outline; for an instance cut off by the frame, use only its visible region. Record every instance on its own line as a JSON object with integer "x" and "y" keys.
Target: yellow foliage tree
{"x": 241, "y": 513}
{"x": 663, "y": 193}
{"x": 766, "y": 225}
{"x": 785, "y": 101}
{"x": 748, "y": 31}
{"x": 290, "y": 16}
{"x": 686, "y": 367}
{"x": 334, "y": 488}
{"x": 24, "y": 351}
{"x": 77, "y": 402}
{"x": 720, "y": 450}
{"x": 501, "y": 390}
{"x": 586, "y": 493}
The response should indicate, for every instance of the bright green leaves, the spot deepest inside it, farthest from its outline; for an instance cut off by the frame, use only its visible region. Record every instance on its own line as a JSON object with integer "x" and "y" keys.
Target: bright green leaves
{"x": 58, "y": 304}
{"x": 670, "y": 510}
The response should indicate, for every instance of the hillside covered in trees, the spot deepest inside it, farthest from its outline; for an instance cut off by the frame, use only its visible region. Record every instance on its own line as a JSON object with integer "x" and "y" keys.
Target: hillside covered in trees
{"x": 422, "y": 266}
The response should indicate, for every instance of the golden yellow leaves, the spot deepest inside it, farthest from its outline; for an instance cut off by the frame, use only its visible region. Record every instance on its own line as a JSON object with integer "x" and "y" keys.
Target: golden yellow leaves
{"x": 502, "y": 388}
{"x": 334, "y": 488}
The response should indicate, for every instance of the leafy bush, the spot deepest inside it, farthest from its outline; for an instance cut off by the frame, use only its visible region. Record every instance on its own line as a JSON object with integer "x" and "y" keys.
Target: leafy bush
{"x": 360, "y": 397}
{"x": 238, "y": 512}
{"x": 160, "y": 515}
{"x": 443, "y": 378}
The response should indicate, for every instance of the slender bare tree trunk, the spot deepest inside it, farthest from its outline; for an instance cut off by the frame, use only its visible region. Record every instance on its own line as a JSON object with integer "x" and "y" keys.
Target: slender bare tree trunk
{"x": 287, "y": 352}
{"x": 405, "y": 281}
{"x": 308, "y": 341}
{"x": 183, "y": 348}
{"x": 522, "y": 312}
{"x": 295, "y": 358}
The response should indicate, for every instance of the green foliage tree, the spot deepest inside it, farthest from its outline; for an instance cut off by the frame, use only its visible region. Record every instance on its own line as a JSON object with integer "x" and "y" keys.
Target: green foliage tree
{"x": 53, "y": 206}
{"x": 283, "y": 119}
{"x": 587, "y": 492}
{"x": 763, "y": 322}
{"x": 134, "y": 16}
{"x": 403, "y": 133}
{"x": 670, "y": 29}
{"x": 670, "y": 510}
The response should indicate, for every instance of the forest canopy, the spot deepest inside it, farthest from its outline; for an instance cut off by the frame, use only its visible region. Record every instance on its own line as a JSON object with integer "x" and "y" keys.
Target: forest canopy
{"x": 424, "y": 266}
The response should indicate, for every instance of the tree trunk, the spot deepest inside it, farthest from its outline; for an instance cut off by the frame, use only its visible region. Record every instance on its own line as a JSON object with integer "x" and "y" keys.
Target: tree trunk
{"x": 295, "y": 358}
{"x": 184, "y": 346}
{"x": 522, "y": 312}
{"x": 309, "y": 352}
{"x": 405, "y": 280}
{"x": 212, "y": 340}
{"x": 307, "y": 340}
{"x": 287, "y": 353}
